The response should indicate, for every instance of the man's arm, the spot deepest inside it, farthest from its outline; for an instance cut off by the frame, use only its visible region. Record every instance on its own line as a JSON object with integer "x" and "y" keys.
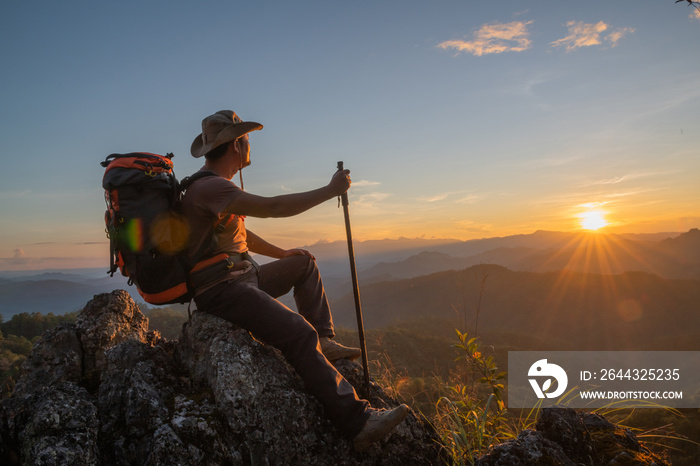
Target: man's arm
{"x": 259, "y": 246}
{"x": 288, "y": 205}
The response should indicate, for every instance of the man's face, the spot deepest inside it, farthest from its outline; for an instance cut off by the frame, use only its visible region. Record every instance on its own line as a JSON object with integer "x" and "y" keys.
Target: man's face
{"x": 244, "y": 150}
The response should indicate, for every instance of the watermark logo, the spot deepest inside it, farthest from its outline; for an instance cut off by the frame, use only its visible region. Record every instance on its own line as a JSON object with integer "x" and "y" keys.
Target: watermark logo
{"x": 595, "y": 379}
{"x": 542, "y": 368}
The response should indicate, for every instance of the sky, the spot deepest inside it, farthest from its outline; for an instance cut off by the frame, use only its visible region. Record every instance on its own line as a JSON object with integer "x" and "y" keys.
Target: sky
{"x": 457, "y": 119}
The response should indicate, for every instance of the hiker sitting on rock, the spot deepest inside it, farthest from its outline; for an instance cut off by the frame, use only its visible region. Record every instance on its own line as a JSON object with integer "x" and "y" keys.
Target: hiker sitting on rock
{"x": 244, "y": 293}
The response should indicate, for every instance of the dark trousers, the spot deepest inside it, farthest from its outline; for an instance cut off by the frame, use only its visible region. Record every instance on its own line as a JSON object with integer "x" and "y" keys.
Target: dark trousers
{"x": 249, "y": 301}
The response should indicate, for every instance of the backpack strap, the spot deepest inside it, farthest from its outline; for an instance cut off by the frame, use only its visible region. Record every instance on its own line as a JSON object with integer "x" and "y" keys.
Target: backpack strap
{"x": 220, "y": 224}
{"x": 188, "y": 180}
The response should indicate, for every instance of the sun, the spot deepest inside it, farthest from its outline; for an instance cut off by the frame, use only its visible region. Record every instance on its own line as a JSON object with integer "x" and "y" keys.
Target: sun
{"x": 593, "y": 220}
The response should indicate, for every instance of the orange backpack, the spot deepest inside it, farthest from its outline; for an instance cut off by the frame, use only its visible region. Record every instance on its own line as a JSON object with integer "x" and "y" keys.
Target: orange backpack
{"x": 147, "y": 234}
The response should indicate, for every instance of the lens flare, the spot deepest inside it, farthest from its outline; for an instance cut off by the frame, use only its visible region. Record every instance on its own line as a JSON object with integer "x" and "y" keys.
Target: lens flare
{"x": 169, "y": 233}
{"x": 134, "y": 236}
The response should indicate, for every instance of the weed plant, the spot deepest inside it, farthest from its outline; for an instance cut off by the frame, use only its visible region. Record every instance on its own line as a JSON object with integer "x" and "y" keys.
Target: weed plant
{"x": 472, "y": 417}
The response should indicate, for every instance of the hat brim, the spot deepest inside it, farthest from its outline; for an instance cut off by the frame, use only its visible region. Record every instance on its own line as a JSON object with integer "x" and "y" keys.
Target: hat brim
{"x": 231, "y": 133}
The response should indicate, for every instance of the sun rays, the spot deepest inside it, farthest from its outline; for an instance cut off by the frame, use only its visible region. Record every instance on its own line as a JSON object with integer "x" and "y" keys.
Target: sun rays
{"x": 589, "y": 272}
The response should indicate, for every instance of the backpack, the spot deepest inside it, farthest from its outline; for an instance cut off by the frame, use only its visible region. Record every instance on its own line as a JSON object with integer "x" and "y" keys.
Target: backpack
{"x": 147, "y": 234}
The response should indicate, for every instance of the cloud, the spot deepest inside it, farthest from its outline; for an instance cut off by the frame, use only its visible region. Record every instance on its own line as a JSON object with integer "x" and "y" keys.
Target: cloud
{"x": 618, "y": 34}
{"x": 555, "y": 161}
{"x": 473, "y": 227}
{"x": 371, "y": 200}
{"x": 465, "y": 197}
{"x": 695, "y": 14}
{"x": 527, "y": 84}
{"x": 363, "y": 183}
{"x": 435, "y": 198}
{"x": 28, "y": 262}
{"x": 585, "y": 35}
{"x": 470, "y": 199}
{"x": 371, "y": 197}
{"x": 593, "y": 205}
{"x": 617, "y": 179}
{"x": 494, "y": 38}
{"x": 19, "y": 258}
{"x": 581, "y": 35}
{"x": 629, "y": 177}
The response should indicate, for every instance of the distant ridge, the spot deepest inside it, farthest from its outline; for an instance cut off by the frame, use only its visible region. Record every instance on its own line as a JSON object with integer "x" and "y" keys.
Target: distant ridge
{"x": 570, "y": 310}
{"x": 46, "y": 274}
{"x": 43, "y": 293}
{"x": 544, "y": 251}
{"x": 669, "y": 255}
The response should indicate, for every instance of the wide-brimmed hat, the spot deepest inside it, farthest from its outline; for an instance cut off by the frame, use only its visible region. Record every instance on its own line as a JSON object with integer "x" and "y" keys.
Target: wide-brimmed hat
{"x": 217, "y": 129}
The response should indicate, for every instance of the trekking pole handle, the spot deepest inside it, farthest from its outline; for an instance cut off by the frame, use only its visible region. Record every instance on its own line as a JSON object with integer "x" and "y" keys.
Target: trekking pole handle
{"x": 344, "y": 196}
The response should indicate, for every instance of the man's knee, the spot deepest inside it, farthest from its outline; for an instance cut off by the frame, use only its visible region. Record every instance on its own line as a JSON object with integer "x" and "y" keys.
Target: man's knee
{"x": 300, "y": 336}
{"x": 305, "y": 261}
{"x": 306, "y": 264}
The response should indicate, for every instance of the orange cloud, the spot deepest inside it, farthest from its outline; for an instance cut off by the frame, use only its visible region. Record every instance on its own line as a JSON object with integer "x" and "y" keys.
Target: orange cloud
{"x": 618, "y": 34}
{"x": 494, "y": 38}
{"x": 585, "y": 35}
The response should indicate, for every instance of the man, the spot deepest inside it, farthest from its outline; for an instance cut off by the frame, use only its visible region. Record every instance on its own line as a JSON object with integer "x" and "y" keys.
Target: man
{"x": 244, "y": 293}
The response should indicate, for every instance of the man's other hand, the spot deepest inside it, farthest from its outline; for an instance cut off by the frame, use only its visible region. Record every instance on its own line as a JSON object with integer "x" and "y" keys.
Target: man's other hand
{"x": 298, "y": 252}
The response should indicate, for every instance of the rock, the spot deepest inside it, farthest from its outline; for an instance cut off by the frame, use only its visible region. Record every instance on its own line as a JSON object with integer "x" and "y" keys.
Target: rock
{"x": 563, "y": 436}
{"x": 62, "y": 427}
{"x": 56, "y": 357}
{"x": 106, "y": 391}
{"x": 53, "y": 425}
{"x": 107, "y": 320}
{"x": 267, "y": 408}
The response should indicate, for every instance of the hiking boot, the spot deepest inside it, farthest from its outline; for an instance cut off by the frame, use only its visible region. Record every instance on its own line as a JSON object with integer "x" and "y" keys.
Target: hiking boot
{"x": 379, "y": 424}
{"x": 334, "y": 351}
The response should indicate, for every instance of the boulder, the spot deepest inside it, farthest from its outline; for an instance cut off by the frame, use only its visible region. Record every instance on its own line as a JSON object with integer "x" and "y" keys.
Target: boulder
{"x": 106, "y": 391}
{"x": 563, "y": 436}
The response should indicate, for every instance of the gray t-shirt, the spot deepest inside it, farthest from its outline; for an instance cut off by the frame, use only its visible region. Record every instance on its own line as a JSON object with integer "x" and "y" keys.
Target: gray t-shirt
{"x": 203, "y": 204}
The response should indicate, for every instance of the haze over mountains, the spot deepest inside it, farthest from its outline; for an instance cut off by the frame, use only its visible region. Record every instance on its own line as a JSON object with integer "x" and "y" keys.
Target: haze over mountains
{"x": 560, "y": 310}
{"x": 667, "y": 257}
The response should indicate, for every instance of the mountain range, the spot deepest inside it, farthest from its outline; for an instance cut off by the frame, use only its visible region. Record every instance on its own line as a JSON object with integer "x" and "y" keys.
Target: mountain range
{"x": 671, "y": 256}
{"x": 558, "y": 310}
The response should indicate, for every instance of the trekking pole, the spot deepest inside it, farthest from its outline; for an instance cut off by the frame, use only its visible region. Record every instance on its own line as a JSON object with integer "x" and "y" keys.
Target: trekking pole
{"x": 355, "y": 286}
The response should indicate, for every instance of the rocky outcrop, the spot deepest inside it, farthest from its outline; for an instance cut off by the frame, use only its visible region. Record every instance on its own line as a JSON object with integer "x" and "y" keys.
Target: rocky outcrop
{"x": 565, "y": 437}
{"x": 106, "y": 391}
